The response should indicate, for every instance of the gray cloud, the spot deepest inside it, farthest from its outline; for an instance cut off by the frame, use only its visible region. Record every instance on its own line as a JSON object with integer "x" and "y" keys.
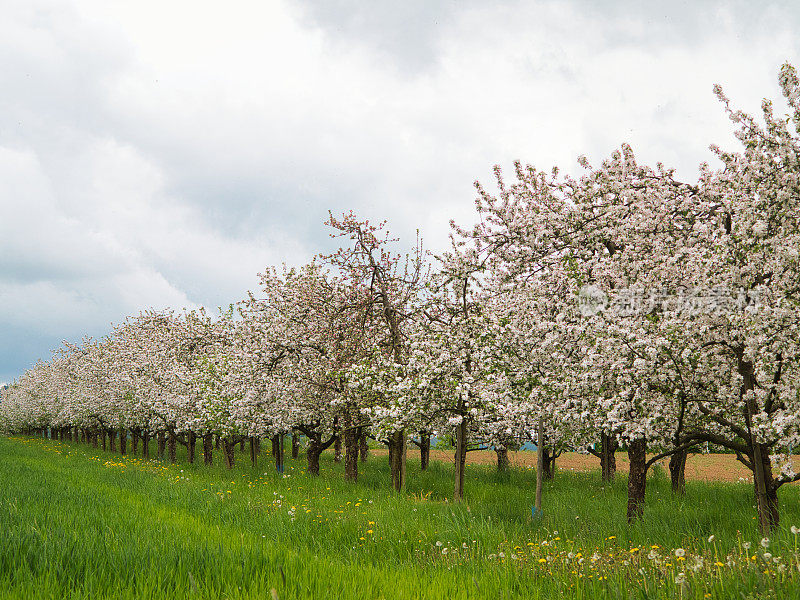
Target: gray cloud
{"x": 161, "y": 154}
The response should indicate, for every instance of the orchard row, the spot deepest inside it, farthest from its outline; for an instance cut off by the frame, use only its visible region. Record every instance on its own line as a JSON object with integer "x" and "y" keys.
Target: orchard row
{"x": 622, "y": 306}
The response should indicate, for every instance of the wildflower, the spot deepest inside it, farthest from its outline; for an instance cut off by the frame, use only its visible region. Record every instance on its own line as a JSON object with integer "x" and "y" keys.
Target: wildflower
{"x": 719, "y": 564}
{"x": 765, "y": 542}
{"x": 369, "y": 531}
{"x": 444, "y": 550}
{"x": 746, "y": 545}
{"x": 542, "y": 560}
{"x": 795, "y": 530}
{"x": 680, "y": 552}
{"x": 680, "y": 578}
{"x": 767, "y": 556}
{"x": 438, "y": 543}
{"x": 711, "y": 538}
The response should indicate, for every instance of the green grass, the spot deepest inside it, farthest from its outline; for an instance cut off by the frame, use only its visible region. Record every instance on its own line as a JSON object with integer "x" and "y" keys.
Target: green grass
{"x": 76, "y": 522}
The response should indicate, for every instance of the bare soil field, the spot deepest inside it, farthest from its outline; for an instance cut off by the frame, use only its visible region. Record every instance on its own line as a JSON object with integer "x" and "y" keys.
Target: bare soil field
{"x": 699, "y": 467}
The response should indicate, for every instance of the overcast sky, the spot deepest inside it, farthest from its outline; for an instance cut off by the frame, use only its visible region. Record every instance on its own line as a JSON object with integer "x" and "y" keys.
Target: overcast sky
{"x": 160, "y": 154}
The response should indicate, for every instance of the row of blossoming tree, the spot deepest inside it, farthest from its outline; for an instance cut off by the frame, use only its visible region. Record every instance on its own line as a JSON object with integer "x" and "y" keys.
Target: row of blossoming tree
{"x": 623, "y": 308}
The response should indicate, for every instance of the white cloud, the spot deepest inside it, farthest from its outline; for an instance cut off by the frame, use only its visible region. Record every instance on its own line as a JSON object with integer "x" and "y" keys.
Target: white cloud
{"x": 159, "y": 153}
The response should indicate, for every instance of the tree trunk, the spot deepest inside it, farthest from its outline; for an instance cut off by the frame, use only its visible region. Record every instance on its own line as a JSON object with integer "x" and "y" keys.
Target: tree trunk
{"x": 537, "y": 503}
{"x": 295, "y": 445}
{"x": 277, "y": 443}
{"x": 362, "y": 445}
{"x": 208, "y": 449}
{"x": 146, "y": 444}
{"x": 123, "y": 441}
{"x": 253, "y": 455}
{"x": 549, "y": 466}
{"x": 637, "y": 478}
{"x": 161, "y": 443}
{"x": 229, "y": 452}
{"x": 218, "y": 443}
{"x": 502, "y": 459}
{"x": 770, "y": 492}
{"x": 460, "y": 459}
{"x": 313, "y": 452}
{"x": 766, "y": 494}
{"x": 191, "y": 446}
{"x": 337, "y": 449}
{"x": 94, "y": 438}
{"x": 351, "y": 435}
{"x": 424, "y": 449}
{"x": 608, "y": 461}
{"x": 172, "y": 447}
{"x": 677, "y": 471}
{"x": 135, "y": 441}
{"x": 103, "y": 440}
{"x": 241, "y": 446}
{"x": 397, "y": 459}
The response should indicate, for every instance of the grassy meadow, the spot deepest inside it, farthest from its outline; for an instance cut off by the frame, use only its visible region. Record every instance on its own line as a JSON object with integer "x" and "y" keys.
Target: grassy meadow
{"x": 77, "y": 522}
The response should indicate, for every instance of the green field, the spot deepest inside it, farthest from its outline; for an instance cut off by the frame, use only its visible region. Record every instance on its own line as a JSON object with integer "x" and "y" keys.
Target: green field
{"x": 76, "y": 522}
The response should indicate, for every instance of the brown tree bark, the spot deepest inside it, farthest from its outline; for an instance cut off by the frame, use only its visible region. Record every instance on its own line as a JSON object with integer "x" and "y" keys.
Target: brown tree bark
{"x": 766, "y": 492}
{"x": 295, "y": 445}
{"x": 351, "y": 435}
{"x": 549, "y": 466}
{"x": 208, "y": 449}
{"x": 363, "y": 448}
{"x": 253, "y": 455}
{"x": 460, "y": 460}
{"x": 397, "y": 459}
{"x": 191, "y": 446}
{"x": 146, "y": 444}
{"x": 161, "y": 443}
{"x": 135, "y": 441}
{"x": 770, "y": 490}
{"x": 123, "y": 441}
{"x": 637, "y": 478}
{"x": 229, "y": 452}
{"x": 677, "y": 471}
{"x": 608, "y": 461}
{"x": 502, "y": 459}
{"x": 313, "y": 452}
{"x": 241, "y": 446}
{"x": 103, "y": 440}
{"x": 279, "y": 452}
{"x": 172, "y": 446}
{"x": 424, "y": 449}
{"x": 337, "y": 449}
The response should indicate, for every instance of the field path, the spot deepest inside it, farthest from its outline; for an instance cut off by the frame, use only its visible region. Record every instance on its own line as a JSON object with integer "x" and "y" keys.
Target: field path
{"x": 699, "y": 467}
